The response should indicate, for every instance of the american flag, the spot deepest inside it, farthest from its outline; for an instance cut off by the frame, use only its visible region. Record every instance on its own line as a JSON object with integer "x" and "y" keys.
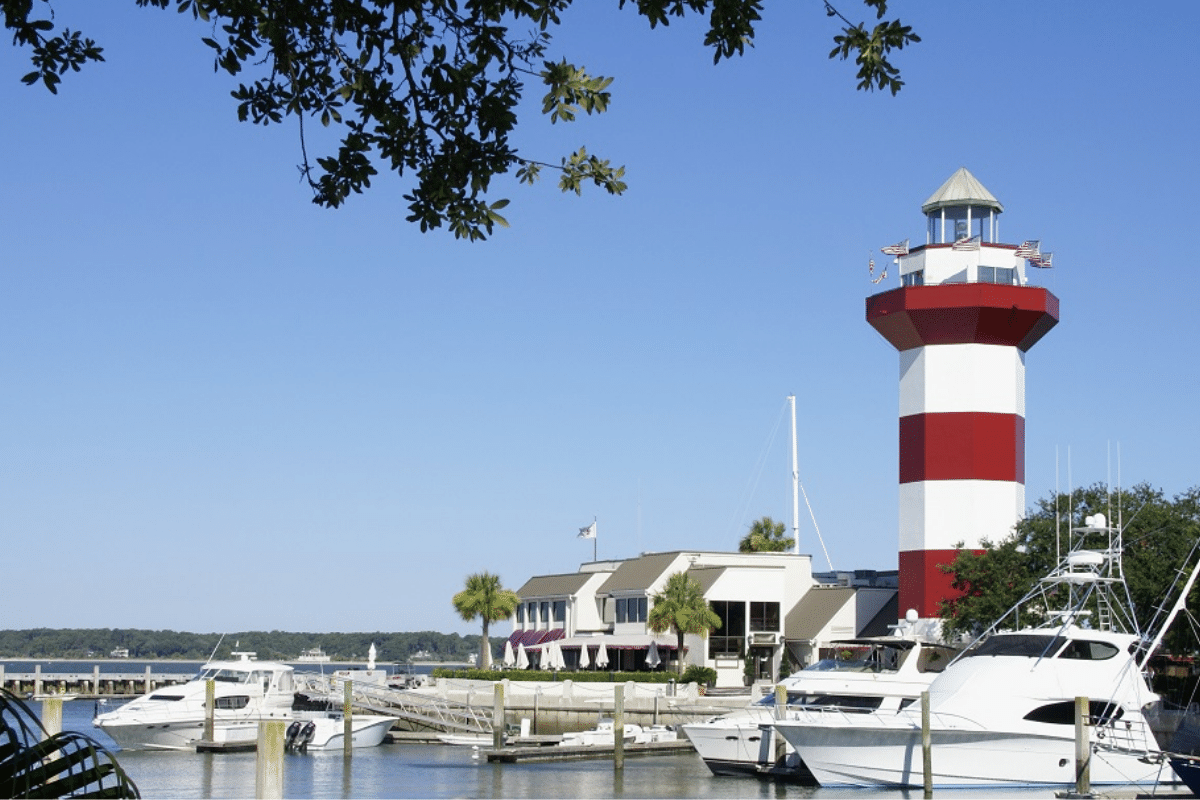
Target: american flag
{"x": 1029, "y": 249}
{"x": 966, "y": 243}
{"x": 1042, "y": 260}
{"x": 900, "y": 249}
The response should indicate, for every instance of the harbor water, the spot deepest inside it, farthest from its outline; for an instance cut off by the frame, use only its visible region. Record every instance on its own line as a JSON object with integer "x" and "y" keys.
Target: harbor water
{"x": 444, "y": 771}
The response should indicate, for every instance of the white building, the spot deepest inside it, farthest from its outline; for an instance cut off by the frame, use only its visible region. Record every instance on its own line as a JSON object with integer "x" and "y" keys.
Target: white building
{"x": 768, "y": 603}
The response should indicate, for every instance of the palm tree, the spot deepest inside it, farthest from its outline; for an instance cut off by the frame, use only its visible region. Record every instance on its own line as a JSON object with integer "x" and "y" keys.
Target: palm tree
{"x": 766, "y": 536}
{"x": 34, "y": 763}
{"x": 681, "y": 607}
{"x": 485, "y": 597}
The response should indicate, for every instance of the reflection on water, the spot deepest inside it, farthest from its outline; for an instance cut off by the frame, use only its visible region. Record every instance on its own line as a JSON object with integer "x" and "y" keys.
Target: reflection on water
{"x": 441, "y": 771}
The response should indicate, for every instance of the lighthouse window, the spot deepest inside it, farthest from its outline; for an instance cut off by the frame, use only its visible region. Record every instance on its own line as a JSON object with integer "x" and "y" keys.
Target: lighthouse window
{"x": 1004, "y": 275}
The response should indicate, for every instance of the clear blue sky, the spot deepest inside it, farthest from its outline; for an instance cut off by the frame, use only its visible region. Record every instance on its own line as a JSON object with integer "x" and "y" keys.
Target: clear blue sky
{"x": 225, "y": 408}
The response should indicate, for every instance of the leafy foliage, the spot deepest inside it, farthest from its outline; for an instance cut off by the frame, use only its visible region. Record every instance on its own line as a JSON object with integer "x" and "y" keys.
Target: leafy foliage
{"x": 697, "y": 673}
{"x": 67, "y": 764}
{"x": 428, "y": 90}
{"x": 1158, "y": 535}
{"x": 766, "y": 536}
{"x": 681, "y": 607}
{"x": 485, "y": 598}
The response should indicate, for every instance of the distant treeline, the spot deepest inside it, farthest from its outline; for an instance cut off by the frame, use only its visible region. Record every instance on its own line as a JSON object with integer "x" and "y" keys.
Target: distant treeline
{"x": 277, "y": 645}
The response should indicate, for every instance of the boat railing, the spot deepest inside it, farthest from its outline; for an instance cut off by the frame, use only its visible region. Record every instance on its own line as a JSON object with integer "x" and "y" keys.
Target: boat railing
{"x": 422, "y": 709}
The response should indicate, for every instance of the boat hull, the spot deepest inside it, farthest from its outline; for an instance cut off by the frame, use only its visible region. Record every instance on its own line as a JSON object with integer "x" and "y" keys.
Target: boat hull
{"x": 843, "y": 756}
{"x": 737, "y": 748}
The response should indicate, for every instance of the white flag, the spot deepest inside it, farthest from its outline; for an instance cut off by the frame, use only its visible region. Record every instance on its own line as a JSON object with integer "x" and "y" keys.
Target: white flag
{"x": 589, "y": 532}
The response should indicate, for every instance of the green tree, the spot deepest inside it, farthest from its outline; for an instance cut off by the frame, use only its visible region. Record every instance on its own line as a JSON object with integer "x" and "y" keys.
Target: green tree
{"x": 426, "y": 89}
{"x": 681, "y": 607}
{"x": 1157, "y": 537}
{"x": 484, "y": 597}
{"x": 766, "y": 536}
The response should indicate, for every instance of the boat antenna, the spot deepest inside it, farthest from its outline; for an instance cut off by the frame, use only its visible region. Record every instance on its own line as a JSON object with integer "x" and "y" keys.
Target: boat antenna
{"x": 214, "y": 650}
{"x": 1057, "y": 512}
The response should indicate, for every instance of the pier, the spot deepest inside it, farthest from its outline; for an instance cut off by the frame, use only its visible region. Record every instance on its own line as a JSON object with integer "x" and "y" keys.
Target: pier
{"x": 90, "y": 685}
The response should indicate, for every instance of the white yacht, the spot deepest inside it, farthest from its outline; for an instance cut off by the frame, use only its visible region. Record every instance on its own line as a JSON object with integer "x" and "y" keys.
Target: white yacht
{"x": 1003, "y": 712}
{"x": 246, "y": 692}
{"x": 884, "y": 673}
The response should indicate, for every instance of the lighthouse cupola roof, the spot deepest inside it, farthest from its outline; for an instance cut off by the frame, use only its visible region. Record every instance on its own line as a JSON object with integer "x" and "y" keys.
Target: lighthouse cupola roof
{"x": 960, "y": 209}
{"x": 961, "y": 189}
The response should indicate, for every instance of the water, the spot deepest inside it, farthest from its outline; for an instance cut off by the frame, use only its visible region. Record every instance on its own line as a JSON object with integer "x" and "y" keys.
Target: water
{"x": 442, "y": 771}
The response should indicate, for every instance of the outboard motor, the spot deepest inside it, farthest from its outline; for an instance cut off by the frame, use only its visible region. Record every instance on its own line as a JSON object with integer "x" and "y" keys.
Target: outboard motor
{"x": 289, "y": 739}
{"x": 306, "y": 736}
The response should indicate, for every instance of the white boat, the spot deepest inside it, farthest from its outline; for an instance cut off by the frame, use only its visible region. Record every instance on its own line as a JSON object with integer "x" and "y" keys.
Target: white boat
{"x": 605, "y": 734}
{"x": 1003, "y": 712}
{"x": 314, "y": 655}
{"x": 246, "y": 692}
{"x": 883, "y": 674}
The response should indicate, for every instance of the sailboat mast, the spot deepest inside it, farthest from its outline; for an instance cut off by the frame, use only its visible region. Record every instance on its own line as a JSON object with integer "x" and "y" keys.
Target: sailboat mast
{"x": 795, "y": 481}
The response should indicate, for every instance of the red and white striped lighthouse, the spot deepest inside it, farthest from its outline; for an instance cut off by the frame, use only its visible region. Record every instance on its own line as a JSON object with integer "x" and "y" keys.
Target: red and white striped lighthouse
{"x": 963, "y": 319}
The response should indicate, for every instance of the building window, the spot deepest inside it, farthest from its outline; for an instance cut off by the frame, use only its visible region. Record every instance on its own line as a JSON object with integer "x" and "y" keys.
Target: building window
{"x": 729, "y": 640}
{"x": 641, "y": 609}
{"x": 1004, "y": 275}
{"x": 560, "y": 611}
{"x": 764, "y": 617}
{"x": 521, "y": 614}
{"x": 916, "y": 278}
{"x": 621, "y": 604}
{"x": 545, "y": 617}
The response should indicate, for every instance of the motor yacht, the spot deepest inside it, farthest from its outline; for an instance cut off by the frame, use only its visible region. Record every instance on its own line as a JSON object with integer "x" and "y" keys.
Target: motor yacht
{"x": 1003, "y": 712}
{"x": 884, "y": 674}
{"x": 245, "y": 692}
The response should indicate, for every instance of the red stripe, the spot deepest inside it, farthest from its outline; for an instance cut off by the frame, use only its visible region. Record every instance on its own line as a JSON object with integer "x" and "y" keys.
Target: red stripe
{"x": 922, "y": 583}
{"x": 970, "y": 445}
{"x": 963, "y": 313}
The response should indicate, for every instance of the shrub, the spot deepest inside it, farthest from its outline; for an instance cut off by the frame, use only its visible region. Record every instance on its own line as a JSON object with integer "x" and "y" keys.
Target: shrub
{"x": 697, "y": 674}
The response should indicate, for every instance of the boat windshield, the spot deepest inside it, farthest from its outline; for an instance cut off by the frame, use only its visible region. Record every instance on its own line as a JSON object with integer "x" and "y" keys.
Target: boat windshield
{"x": 1020, "y": 645}
{"x": 859, "y": 659}
{"x": 223, "y": 674}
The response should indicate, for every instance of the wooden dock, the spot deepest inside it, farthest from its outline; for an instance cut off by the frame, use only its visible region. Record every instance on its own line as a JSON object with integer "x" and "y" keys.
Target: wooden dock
{"x": 514, "y": 755}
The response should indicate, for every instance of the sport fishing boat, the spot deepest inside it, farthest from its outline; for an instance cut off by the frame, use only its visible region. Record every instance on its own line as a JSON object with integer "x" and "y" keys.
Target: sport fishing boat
{"x": 246, "y": 692}
{"x": 1003, "y": 712}
{"x": 883, "y": 674}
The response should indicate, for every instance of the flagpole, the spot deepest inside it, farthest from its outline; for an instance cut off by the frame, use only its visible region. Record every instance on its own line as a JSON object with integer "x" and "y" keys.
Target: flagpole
{"x": 595, "y": 538}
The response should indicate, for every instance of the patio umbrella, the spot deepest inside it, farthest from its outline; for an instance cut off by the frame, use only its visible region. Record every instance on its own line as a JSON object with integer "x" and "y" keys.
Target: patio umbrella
{"x": 554, "y": 658}
{"x": 587, "y": 658}
{"x": 602, "y": 656}
{"x": 652, "y": 659}
{"x": 510, "y": 658}
{"x": 522, "y": 657}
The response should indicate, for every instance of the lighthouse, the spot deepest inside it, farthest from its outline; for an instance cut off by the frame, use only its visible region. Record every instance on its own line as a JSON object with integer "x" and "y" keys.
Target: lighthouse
{"x": 962, "y": 320}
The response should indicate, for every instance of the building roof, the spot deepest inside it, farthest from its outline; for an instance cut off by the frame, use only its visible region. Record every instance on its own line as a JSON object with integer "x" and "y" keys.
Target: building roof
{"x": 815, "y": 610}
{"x": 881, "y": 624}
{"x": 638, "y": 573}
{"x": 554, "y": 585}
{"x": 961, "y": 189}
{"x": 706, "y": 576}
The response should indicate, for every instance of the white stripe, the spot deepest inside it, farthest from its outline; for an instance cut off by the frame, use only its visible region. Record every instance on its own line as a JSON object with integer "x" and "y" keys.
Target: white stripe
{"x": 937, "y": 515}
{"x": 962, "y": 377}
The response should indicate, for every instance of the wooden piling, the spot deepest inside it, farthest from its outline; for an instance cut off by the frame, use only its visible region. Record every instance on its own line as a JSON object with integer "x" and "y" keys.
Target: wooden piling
{"x": 210, "y": 702}
{"x": 348, "y": 719}
{"x": 52, "y": 715}
{"x": 926, "y": 746}
{"x": 268, "y": 777}
{"x": 619, "y": 727}
{"x": 498, "y": 716}
{"x": 1083, "y": 769}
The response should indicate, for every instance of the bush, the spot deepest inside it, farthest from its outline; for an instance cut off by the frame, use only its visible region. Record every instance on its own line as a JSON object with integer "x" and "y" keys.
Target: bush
{"x": 705, "y": 676}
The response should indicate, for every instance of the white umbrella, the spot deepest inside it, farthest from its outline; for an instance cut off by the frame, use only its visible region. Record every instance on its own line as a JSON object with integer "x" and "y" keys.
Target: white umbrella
{"x": 586, "y": 659}
{"x": 510, "y": 658}
{"x": 652, "y": 659}
{"x": 522, "y": 657}
{"x": 554, "y": 659}
{"x": 602, "y": 656}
